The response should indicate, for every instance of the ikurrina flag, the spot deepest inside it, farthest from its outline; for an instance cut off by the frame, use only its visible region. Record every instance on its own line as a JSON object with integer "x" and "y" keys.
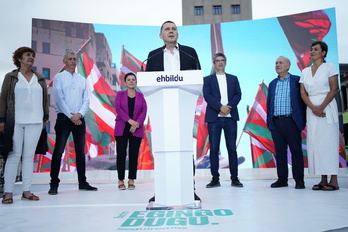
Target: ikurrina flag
{"x": 262, "y": 145}
{"x": 130, "y": 63}
{"x": 261, "y": 157}
{"x": 44, "y": 160}
{"x": 302, "y": 30}
{"x": 256, "y": 122}
{"x": 100, "y": 118}
{"x": 200, "y": 128}
{"x": 145, "y": 158}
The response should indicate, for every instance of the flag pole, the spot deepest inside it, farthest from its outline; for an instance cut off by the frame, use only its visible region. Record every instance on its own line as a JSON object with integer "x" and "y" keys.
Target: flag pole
{"x": 240, "y": 137}
{"x": 83, "y": 46}
{"x": 50, "y": 83}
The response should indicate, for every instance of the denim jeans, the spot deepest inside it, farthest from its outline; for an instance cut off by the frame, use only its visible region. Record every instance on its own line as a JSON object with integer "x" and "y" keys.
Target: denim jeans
{"x": 63, "y": 128}
{"x": 230, "y": 131}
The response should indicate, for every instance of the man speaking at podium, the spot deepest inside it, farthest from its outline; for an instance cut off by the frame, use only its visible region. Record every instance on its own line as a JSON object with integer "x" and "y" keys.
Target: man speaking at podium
{"x": 172, "y": 57}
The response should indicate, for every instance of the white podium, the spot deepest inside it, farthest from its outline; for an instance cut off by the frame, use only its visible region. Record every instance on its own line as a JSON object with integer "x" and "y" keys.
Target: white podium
{"x": 171, "y": 98}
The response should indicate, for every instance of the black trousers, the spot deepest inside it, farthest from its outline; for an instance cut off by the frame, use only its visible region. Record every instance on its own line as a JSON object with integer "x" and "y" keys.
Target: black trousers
{"x": 133, "y": 144}
{"x": 63, "y": 128}
{"x": 286, "y": 134}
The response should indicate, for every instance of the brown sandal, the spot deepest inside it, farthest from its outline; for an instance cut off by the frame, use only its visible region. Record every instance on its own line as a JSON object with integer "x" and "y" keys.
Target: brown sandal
{"x": 121, "y": 185}
{"x": 32, "y": 197}
{"x": 131, "y": 185}
{"x": 7, "y": 200}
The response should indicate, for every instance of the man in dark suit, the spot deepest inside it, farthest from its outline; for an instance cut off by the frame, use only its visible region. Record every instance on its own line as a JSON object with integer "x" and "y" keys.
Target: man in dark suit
{"x": 286, "y": 117}
{"x": 172, "y": 56}
{"x": 222, "y": 93}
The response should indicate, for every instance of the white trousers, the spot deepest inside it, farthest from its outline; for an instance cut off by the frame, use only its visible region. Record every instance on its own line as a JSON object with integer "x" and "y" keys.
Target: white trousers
{"x": 25, "y": 138}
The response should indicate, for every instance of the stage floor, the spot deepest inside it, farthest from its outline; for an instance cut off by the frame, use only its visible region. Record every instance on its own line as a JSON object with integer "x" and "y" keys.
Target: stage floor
{"x": 256, "y": 207}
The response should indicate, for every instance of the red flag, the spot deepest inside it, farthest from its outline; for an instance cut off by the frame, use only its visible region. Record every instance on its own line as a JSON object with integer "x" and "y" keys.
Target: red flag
{"x": 256, "y": 125}
{"x": 100, "y": 118}
{"x": 200, "y": 130}
{"x": 44, "y": 161}
{"x": 302, "y": 30}
{"x": 128, "y": 64}
{"x": 261, "y": 157}
{"x": 145, "y": 159}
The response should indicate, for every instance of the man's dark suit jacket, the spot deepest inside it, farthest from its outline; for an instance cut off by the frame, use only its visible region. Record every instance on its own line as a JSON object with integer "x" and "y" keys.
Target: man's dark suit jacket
{"x": 211, "y": 93}
{"x": 297, "y": 104}
{"x": 187, "y": 62}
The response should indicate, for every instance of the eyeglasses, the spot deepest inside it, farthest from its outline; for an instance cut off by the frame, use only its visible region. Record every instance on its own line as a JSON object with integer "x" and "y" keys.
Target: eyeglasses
{"x": 71, "y": 58}
{"x": 223, "y": 60}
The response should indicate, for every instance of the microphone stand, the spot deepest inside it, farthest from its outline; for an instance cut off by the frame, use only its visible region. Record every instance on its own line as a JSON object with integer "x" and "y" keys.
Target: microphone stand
{"x": 142, "y": 64}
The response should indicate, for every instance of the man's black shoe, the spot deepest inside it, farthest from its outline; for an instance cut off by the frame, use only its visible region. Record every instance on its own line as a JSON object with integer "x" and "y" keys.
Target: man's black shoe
{"x": 300, "y": 185}
{"x": 87, "y": 187}
{"x": 152, "y": 199}
{"x": 53, "y": 190}
{"x": 279, "y": 184}
{"x": 236, "y": 183}
{"x": 197, "y": 198}
{"x": 213, "y": 183}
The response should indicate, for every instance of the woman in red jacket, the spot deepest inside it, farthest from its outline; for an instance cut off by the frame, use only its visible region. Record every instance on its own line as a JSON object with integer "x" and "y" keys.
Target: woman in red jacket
{"x": 131, "y": 111}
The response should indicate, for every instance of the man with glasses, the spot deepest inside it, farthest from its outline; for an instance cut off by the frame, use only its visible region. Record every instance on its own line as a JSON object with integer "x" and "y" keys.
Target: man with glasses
{"x": 72, "y": 101}
{"x": 222, "y": 93}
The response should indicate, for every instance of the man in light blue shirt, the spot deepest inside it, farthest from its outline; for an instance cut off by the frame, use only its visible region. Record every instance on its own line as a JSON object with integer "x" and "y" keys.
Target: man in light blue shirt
{"x": 286, "y": 117}
{"x": 72, "y": 101}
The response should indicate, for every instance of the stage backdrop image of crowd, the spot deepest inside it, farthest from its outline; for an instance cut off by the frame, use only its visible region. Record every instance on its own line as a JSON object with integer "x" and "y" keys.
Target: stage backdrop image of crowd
{"x": 107, "y": 52}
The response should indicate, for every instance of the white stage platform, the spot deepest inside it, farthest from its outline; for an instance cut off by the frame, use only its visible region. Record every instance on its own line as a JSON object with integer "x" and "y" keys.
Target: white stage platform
{"x": 256, "y": 207}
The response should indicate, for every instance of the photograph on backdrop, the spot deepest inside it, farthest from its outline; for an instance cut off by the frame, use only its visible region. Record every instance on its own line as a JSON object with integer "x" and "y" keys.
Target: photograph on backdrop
{"x": 105, "y": 53}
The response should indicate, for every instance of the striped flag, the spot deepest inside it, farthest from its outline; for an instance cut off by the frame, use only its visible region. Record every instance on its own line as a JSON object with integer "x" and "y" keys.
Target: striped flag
{"x": 256, "y": 122}
{"x": 130, "y": 63}
{"x": 100, "y": 118}
{"x": 44, "y": 161}
{"x": 200, "y": 128}
{"x": 262, "y": 146}
{"x": 261, "y": 157}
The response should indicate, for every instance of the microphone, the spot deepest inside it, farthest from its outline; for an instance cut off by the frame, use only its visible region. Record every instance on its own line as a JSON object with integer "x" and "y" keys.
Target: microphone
{"x": 197, "y": 62}
{"x": 150, "y": 57}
